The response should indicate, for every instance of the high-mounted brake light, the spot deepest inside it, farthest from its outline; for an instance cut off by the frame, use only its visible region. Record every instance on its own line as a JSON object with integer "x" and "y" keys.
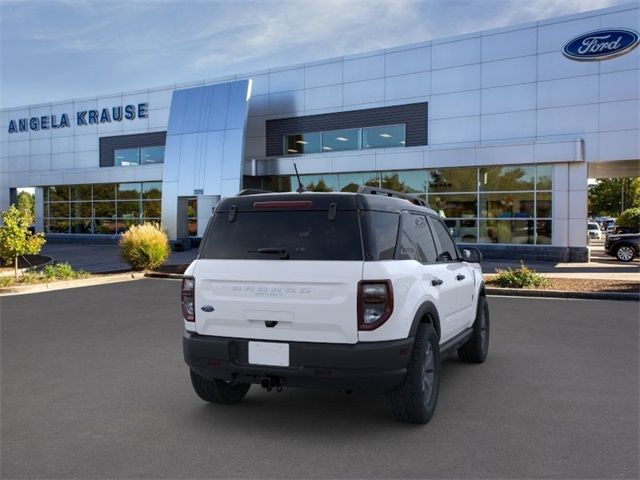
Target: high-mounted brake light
{"x": 188, "y": 299}
{"x": 375, "y": 303}
{"x": 284, "y": 204}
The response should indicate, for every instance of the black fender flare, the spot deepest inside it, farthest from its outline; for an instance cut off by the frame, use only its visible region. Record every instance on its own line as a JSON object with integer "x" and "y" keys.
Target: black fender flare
{"x": 426, "y": 309}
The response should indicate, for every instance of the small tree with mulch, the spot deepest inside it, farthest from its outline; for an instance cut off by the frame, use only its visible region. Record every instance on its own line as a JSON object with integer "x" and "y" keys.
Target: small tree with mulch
{"x": 16, "y": 239}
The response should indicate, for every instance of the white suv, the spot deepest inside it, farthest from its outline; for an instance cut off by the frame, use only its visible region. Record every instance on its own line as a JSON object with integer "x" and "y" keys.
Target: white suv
{"x": 352, "y": 291}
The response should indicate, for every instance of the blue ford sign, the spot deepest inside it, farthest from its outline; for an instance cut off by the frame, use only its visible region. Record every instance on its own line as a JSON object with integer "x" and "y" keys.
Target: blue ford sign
{"x": 601, "y": 44}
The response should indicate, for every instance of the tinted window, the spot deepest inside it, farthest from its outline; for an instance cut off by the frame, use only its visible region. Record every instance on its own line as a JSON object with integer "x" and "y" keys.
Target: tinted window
{"x": 380, "y": 234}
{"x": 416, "y": 241}
{"x": 300, "y": 235}
{"x": 448, "y": 251}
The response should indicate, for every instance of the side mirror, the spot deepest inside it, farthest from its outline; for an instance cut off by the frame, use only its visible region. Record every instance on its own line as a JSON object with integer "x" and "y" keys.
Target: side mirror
{"x": 471, "y": 255}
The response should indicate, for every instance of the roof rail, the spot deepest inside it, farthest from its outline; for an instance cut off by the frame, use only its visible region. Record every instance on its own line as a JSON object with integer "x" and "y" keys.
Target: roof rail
{"x": 251, "y": 191}
{"x": 391, "y": 193}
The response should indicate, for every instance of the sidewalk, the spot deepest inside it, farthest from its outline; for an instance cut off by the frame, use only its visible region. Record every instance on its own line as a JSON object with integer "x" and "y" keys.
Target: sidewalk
{"x": 104, "y": 258}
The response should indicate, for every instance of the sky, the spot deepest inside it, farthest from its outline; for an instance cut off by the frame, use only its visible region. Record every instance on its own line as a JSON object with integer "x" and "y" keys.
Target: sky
{"x": 54, "y": 50}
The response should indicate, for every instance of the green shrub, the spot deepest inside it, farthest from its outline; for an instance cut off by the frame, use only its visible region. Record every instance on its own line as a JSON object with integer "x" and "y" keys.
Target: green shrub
{"x": 144, "y": 247}
{"x": 521, "y": 277}
{"x": 630, "y": 218}
{"x": 6, "y": 281}
{"x": 62, "y": 271}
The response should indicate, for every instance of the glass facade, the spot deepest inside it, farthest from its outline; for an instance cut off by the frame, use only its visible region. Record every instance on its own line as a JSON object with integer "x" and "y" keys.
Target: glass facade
{"x": 106, "y": 208}
{"x": 385, "y": 136}
{"x": 138, "y": 156}
{"x": 506, "y": 205}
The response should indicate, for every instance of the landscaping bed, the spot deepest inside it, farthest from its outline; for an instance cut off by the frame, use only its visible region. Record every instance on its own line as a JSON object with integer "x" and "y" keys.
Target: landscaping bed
{"x": 581, "y": 285}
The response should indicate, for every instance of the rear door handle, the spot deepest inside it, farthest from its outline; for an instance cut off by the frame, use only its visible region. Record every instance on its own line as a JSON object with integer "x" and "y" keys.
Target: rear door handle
{"x": 436, "y": 281}
{"x": 460, "y": 277}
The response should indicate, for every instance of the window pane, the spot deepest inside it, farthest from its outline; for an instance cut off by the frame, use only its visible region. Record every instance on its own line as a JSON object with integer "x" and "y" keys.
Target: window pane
{"x": 104, "y": 191}
{"x": 462, "y": 230}
{"x": 317, "y": 183}
{"x": 80, "y": 209}
{"x": 124, "y": 225}
{"x": 277, "y": 184}
{"x": 543, "y": 205}
{"x": 104, "y": 209}
{"x": 152, "y": 190}
{"x": 82, "y": 225}
{"x": 507, "y": 231}
{"x": 543, "y": 232}
{"x": 128, "y": 210}
{"x": 416, "y": 241}
{"x": 151, "y": 209}
{"x": 337, "y": 140}
{"x": 192, "y": 208}
{"x": 81, "y": 192}
{"x": 545, "y": 176}
{"x": 456, "y": 205}
{"x": 380, "y": 232}
{"x": 59, "y": 210}
{"x": 192, "y": 227}
{"x": 305, "y": 235}
{"x": 507, "y": 178}
{"x": 152, "y": 154}
{"x": 406, "y": 182}
{"x": 105, "y": 226}
{"x": 128, "y": 191}
{"x": 56, "y": 225}
{"x": 448, "y": 250}
{"x": 349, "y": 182}
{"x": 506, "y": 205}
{"x": 453, "y": 180}
{"x": 302, "y": 143}
{"x": 383, "y": 137}
{"x": 45, "y": 193}
{"x": 127, "y": 157}
{"x": 59, "y": 194}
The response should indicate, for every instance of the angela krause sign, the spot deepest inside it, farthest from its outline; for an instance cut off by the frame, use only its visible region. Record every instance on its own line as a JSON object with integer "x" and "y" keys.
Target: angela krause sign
{"x": 601, "y": 44}
{"x": 83, "y": 117}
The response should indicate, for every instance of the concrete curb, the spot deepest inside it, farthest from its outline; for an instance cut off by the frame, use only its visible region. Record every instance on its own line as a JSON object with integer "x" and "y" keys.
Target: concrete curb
{"x": 525, "y": 292}
{"x": 62, "y": 285}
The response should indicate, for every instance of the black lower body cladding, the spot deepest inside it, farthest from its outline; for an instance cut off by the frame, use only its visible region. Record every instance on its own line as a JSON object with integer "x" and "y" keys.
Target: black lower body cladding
{"x": 371, "y": 367}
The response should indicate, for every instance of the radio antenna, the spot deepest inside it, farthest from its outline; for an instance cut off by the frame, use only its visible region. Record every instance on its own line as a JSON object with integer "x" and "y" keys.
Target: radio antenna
{"x": 300, "y": 188}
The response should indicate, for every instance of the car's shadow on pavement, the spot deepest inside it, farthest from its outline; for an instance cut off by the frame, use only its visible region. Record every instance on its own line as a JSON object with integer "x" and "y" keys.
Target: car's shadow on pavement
{"x": 323, "y": 412}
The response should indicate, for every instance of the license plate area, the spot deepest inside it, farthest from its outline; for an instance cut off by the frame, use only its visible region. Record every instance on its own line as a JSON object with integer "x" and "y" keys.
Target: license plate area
{"x": 269, "y": 353}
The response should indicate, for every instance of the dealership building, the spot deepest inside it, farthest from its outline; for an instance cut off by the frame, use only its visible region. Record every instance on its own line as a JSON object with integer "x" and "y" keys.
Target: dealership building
{"x": 498, "y": 130}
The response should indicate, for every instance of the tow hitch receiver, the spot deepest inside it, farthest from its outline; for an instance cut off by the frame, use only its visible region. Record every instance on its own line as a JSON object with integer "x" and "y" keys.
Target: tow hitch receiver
{"x": 269, "y": 383}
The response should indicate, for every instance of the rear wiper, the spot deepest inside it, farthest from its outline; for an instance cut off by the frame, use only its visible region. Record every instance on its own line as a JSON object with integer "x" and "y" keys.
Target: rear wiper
{"x": 284, "y": 254}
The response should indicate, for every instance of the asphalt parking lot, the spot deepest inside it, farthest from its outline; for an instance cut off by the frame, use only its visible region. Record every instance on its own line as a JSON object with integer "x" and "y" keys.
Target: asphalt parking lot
{"x": 93, "y": 386}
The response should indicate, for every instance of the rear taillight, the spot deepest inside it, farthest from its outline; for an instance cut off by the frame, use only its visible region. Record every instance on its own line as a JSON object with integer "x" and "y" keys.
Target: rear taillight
{"x": 187, "y": 299}
{"x": 375, "y": 303}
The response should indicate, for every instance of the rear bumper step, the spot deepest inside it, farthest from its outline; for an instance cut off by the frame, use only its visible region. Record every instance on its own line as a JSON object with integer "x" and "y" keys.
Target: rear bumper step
{"x": 374, "y": 366}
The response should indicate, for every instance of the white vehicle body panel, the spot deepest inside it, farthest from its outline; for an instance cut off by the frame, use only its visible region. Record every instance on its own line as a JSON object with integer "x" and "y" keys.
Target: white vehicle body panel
{"x": 311, "y": 301}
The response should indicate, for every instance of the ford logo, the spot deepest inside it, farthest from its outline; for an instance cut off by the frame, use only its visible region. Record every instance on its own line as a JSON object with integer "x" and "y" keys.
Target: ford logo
{"x": 601, "y": 44}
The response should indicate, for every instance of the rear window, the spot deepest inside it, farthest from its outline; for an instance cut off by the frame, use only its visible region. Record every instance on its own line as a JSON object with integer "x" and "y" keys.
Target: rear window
{"x": 286, "y": 234}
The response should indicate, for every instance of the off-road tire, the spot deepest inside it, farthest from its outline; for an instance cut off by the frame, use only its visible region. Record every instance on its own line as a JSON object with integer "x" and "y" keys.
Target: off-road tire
{"x": 218, "y": 391}
{"x": 476, "y": 348}
{"x": 413, "y": 401}
{"x": 625, "y": 253}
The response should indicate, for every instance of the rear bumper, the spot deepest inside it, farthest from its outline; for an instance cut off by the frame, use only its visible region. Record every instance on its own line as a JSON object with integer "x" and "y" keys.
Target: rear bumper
{"x": 375, "y": 366}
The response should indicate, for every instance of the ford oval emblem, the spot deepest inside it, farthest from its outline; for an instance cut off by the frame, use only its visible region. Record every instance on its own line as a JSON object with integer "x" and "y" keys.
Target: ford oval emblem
{"x": 601, "y": 44}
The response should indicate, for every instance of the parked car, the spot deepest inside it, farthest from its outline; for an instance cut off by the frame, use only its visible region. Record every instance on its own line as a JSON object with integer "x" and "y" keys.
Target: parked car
{"x": 352, "y": 291}
{"x": 593, "y": 229}
{"x": 618, "y": 230}
{"x": 624, "y": 247}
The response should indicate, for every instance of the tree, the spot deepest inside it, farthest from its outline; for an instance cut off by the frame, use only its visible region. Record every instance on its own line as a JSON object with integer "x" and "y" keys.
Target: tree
{"x": 25, "y": 202}
{"x": 610, "y": 196}
{"x": 16, "y": 239}
{"x": 630, "y": 218}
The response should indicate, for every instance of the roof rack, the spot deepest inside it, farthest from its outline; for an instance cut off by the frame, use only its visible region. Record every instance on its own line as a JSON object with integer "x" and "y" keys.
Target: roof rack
{"x": 251, "y": 191}
{"x": 391, "y": 193}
